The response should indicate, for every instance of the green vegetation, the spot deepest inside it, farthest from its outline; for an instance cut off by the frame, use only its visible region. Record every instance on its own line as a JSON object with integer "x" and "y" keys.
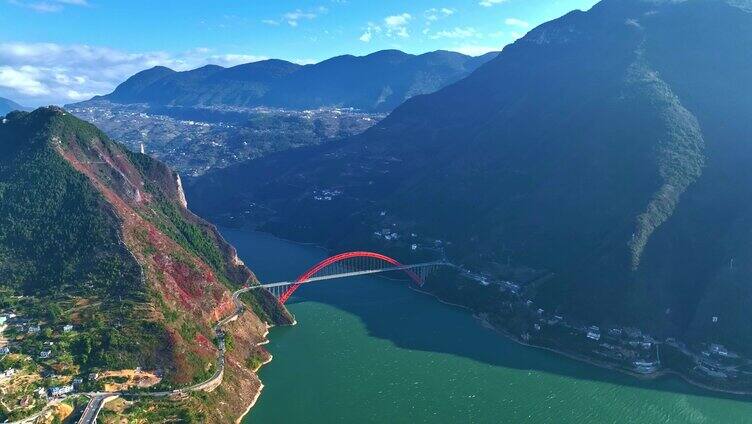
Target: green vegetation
{"x": 60, "y": 244}
{"x": 79, "y": 294}
{"x": 172, "y": 220}
{"x": 17, "y": 399}
{"x": 114, "y": 335}
{"x": 189, "y": 330}
{"x": 154, "y": 411}
{"x": 264, "y": 306}
{"x": 679, "y": 156}
{"x": 229, "y": 342}
{"x": 57, "y": 234}
{"x": 118, "y": 348}
{"x": 254, "y": 361}
{"x": 251, "y": 300}
{"x": 192, "y": 237}
{"x": 204, "y": 367}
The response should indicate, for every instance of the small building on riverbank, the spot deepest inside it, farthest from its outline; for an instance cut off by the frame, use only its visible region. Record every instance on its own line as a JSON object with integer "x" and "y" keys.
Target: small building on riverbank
{"x": 594, "y": 333}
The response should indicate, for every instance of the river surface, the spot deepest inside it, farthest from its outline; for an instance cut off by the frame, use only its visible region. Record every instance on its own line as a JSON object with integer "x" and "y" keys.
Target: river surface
{"x": 368, "y": 349}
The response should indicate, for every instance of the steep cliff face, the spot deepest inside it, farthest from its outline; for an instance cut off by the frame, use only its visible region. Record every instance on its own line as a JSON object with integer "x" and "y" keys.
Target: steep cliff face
{"x": 181, "y": 194}
{"x": 88, "y": 219}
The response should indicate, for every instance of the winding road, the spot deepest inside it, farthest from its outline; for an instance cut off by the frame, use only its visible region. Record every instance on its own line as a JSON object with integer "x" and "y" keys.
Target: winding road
{"x": 98, "y": 399}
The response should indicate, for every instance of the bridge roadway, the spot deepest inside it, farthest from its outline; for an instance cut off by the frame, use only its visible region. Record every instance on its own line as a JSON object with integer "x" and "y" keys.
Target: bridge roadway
{"x": 347, "y": 274}
{"x": 94, "y": 406}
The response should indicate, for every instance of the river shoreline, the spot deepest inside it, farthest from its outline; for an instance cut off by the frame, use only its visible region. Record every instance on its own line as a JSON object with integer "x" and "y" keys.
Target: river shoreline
{"x": 584, "y": 359}
{"x": 260, "y": 389}
{"x": 479, "y": 319}
{"x": 589, "y": 361}
{"x": 255, "y": 371}
{"x": 251, "y": 405}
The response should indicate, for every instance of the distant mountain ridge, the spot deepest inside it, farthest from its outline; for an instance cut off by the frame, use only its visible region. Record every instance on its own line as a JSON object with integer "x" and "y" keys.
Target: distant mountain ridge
{"x": 7, "y": 105}
{"x": 377, "y": 82}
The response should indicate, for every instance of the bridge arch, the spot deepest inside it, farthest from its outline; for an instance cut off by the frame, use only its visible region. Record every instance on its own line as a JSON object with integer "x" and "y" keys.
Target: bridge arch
{"x": 327, "y": 263}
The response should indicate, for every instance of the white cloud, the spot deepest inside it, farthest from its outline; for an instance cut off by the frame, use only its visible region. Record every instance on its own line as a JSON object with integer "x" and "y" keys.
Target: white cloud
{"x": 397, "y": 20}
{"x": 78, "y": 96}
{"x": 489, "y": 3}
{"x": 270, "y": 22}
{"x": 457, "y": 32}
{"x": 396, "y": 25}
{"x": 48, "y": 6}
{"x": 474, "y": 50}
{"x": 369, "y": 32}
{"x": 47, "y": 73}
{"x": 366, "y": 37}
{"x": 223, "y": 59}
{"x": 304, "y": 61}
{"x": 434, "y": 14}
{"x": 517, "y": 23}
{"x": 295, "y": 16}
{"x": 392, "y": 26}
{"x": 22, "y": 80}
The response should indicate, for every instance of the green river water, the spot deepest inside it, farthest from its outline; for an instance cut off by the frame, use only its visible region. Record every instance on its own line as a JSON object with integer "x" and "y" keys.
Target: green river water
{"x": 369, "y": 349}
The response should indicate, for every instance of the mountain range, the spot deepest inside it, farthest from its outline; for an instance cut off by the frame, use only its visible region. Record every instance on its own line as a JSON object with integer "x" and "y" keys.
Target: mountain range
{"x": 601, "y": 162}
{"x": 377, "y": 82}
{"x": 7, "y": 105}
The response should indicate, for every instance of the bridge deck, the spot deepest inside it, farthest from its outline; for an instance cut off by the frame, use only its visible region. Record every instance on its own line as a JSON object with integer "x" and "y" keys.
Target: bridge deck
{"x": 353, "y": 274}
{"x": 349, "y": 274}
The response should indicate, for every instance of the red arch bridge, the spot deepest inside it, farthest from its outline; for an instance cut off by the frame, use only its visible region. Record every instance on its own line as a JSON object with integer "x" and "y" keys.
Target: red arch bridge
{"x": 350, "y": 264}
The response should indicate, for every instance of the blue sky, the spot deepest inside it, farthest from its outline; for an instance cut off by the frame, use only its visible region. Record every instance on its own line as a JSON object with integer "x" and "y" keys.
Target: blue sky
{"x": 59, "y": 51}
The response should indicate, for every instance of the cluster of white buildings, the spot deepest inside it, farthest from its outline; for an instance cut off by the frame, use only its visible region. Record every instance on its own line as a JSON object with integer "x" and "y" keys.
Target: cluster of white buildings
{"x": 325, "y": 195}
{"x": 60, "y": 390}
{"x": 387, "y": 234}
{"x": 594, "y": 333}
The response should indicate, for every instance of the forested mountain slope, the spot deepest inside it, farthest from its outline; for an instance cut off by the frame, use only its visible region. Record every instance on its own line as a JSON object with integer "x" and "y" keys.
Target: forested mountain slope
{"x": 602, "y": 161}
{"x": 98, "y": 237}
{"x": 377, "y": 82}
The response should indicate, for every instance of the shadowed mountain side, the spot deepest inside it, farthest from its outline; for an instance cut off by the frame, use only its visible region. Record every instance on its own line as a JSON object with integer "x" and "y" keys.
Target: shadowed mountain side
{"x": 7, "y": 105}
{"x": 606, "y": 149}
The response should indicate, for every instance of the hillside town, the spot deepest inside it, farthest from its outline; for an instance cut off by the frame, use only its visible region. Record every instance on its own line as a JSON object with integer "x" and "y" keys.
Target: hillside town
{"x": 37, "y": 370}
{"x": 194, "y": 140}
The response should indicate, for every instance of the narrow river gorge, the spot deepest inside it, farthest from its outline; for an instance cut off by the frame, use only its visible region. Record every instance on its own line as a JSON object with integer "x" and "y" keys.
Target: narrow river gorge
{"x": 369, "y": 349}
